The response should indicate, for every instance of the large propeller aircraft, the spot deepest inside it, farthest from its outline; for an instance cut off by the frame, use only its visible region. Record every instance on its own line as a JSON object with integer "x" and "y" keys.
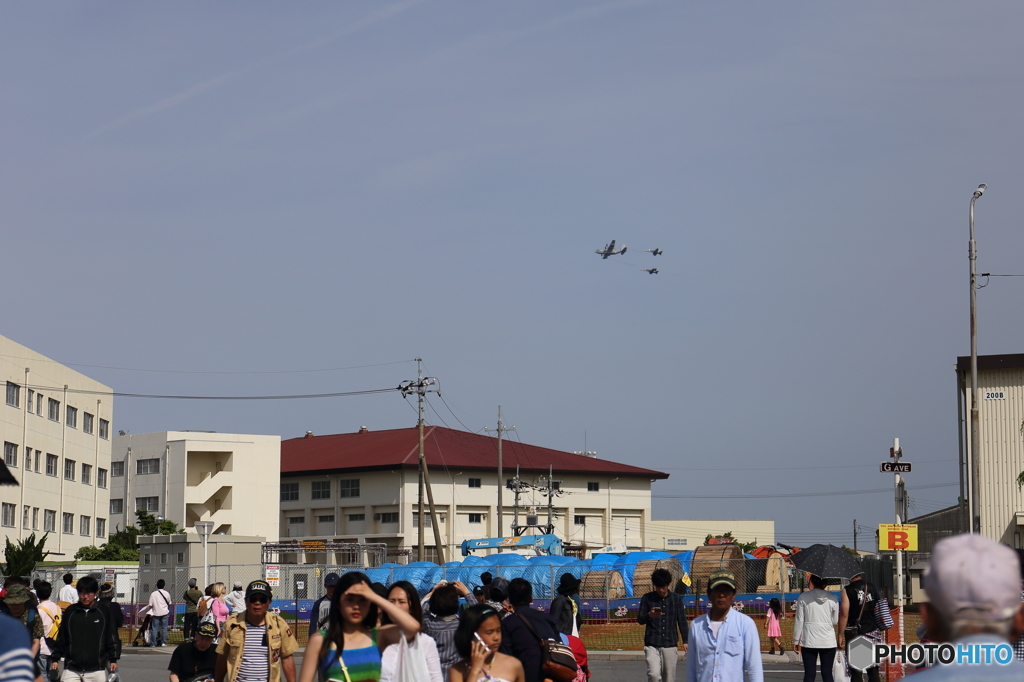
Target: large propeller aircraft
{"x": 609, "y": 250}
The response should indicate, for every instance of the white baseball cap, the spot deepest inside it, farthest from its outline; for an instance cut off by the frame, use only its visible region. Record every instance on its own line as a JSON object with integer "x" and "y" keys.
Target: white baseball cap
{"x": 973, "y": 577}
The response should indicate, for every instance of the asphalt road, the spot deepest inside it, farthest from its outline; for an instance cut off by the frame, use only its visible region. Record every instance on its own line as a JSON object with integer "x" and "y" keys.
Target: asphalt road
{"x": 150, "y": 665}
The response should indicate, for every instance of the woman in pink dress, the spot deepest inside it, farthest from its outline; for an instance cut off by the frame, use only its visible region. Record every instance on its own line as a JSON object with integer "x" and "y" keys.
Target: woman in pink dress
{"x": 221, "y": 610}
{"x": 772, "y": 619}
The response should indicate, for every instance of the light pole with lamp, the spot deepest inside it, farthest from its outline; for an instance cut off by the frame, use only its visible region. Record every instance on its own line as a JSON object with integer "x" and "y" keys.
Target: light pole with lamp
{"x": 204, "y": 528}
{"x": 972, "y": 254}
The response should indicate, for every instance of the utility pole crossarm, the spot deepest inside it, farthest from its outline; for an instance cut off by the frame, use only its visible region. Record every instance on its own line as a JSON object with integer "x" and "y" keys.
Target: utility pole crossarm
{"x": 420, "y": 388}
{"x": 501, "y": 430}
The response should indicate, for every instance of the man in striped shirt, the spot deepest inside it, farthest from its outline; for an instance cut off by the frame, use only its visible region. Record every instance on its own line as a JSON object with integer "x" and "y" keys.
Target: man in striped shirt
{"x": 16, "y": 662}
{"x": 257, "y": 644}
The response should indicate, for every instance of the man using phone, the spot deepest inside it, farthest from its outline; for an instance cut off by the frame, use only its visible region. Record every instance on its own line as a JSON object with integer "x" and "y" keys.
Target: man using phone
{"x": 663, "y": 613}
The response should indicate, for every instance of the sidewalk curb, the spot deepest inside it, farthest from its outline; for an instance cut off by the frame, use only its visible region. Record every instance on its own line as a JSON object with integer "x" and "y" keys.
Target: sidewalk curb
{"x": 621, "y": 655}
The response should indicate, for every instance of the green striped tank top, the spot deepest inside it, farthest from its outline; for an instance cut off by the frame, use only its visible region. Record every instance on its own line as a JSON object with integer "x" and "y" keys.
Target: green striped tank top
{"x": 354, "y": 665}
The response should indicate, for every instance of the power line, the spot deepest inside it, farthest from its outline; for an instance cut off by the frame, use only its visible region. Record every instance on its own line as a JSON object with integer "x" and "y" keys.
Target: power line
{"x": 812, "y": 494}
{"x": 215, "y": 397}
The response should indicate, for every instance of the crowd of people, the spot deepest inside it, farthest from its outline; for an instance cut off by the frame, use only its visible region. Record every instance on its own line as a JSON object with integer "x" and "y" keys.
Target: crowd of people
{"x": 361, "y": 631}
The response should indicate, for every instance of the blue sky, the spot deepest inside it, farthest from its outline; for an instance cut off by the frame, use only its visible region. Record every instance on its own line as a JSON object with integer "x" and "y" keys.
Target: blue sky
{"x": 202, "y": 188}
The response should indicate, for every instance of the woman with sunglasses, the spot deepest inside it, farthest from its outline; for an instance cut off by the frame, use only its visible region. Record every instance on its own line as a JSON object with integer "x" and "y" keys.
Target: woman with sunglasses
{"x": 477, "y": 639}
{"x": 349, "y": 648}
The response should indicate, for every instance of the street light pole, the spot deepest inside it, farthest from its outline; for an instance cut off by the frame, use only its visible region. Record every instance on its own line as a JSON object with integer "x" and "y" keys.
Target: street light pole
{"x": 204, "y": 528}
{"x": 972, "y": 254}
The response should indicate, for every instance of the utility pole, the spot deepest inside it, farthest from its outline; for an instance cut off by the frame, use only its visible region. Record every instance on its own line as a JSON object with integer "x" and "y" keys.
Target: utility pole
{"x": 900, "y": 487}
{"x": 419, "y": 387}
{"x": 501, "y": 476}
{"x": 551, "y": 489}
{"x": 972, "y": 255}
{"x": 855, "y": 535}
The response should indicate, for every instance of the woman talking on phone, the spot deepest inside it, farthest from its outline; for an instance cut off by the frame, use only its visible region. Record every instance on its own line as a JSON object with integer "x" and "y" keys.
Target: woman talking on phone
{"x": 477, "y": 640}
{"x": 349, "y": 648}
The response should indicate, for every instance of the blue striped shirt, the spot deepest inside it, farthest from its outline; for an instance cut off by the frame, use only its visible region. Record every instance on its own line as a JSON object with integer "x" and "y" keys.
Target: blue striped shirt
{"x": 16, "y": 662}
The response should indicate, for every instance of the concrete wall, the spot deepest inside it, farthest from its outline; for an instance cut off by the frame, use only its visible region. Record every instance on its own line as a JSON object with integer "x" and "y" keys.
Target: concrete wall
{"x": 227, "y": 478}
{"x": 24, "y": 427}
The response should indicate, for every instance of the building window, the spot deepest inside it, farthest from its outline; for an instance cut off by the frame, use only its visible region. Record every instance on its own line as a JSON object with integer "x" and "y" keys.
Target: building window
{"x": 349, "y": 488}
{"x": 101, "y": 528}
{"x": 39, "y": 404}
{"x": 38, "y": 453}
{"x": 357, "y": 517}
{"x": 101, "y": 478}
{"x": 676, "y": 542}
{"x": 181, "y": 557}
{"x": 86, "y": 474}
{"x": 474, "y": 483}
{"x": 426, "y": 520}
{"x": 104, "y": 429}
{"x": 146, "y": 559}
{"x": 295, "y": 520}
{"x": 117, "y": 469}
{"x": 389, "y": 517}
{"x": 476, "y": 518}
{"x": 86, "y": 422}
{"x": 30, "y": 401}
{"x": 593, "y": 486}
{"x": 53, "y": 409}
{"x": 35, "y": 518}
{"x": 51, "y": 465}
{"x": 579, "y": 520}
{"x": 321, "y": 490}
{"x": 163, "y": 557}
{"x": 85, "y": 526}
{"x": 289, "y": 492}
{"x": 147, "y": 466}
{"x": 24, "y": 516}
{"x": 10, "y": 454}
{"x": 13, "y": 394}
{"x": 147, "y": 504}
{"x": 49, "y": 520}
{"x": 28, "y": 459}
{"x": 117, "y": 506}
{"x": 7, "y": 518}
{"x": 326, "y": 518}
{"x": 71, "y": 417}
{"x": 69, "y": 469}
{"x": 69, "y": 524}
{"x": 556, "y": 485}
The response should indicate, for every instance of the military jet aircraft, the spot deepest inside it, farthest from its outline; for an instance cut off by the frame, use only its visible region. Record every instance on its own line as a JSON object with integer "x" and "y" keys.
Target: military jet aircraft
{"x": 651, "y": 271}
{"x": 654, "y": 252}
{"x": 609, "y": 250}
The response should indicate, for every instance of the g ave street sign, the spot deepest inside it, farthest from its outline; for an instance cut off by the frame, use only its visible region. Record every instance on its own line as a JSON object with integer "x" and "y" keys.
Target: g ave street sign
{"x": 895, "y": 467}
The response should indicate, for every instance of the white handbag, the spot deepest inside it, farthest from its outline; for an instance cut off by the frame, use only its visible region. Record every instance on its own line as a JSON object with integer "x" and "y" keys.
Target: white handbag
{"x": 839, "y": 671}
{"x": 412, "y": 663}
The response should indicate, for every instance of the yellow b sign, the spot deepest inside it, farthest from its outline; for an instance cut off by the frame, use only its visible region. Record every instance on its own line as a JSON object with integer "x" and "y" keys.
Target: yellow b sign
{"x": 892, "y": 537}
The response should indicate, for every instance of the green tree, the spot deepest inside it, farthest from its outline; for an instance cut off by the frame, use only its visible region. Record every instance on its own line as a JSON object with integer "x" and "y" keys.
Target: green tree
{"x": 23, "y": 556}
{"x": 746, "y": 547}
{"x": 122, "y": 545}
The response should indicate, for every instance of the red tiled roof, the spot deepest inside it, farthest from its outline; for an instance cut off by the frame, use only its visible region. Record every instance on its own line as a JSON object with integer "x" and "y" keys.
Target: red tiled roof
{"x": 443, "y": 447}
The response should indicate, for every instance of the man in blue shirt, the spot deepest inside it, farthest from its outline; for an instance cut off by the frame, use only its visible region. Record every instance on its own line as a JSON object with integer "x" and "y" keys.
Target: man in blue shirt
{"x": 724, "y": 643}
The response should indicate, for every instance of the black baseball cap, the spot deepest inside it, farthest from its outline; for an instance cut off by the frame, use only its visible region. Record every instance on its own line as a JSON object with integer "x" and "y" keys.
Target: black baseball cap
{"x": 207, "y": 630}
{"x": 259, "y": 587}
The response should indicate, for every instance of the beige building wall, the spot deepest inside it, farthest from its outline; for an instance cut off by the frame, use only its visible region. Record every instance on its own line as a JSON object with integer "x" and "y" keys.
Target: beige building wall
{"x": 55, "y": 428}
{"x": 1001, "y": 413}
{"x": 596, "y": 509}
{"x": 228, "y": 479}
{"x": 683, "y": 535}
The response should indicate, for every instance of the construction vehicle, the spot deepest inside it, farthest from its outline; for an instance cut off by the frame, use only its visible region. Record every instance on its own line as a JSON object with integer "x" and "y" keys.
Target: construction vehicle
{"x": 543, "y": 544}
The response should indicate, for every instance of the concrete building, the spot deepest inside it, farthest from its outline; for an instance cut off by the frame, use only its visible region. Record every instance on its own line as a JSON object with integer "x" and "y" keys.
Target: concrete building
{"x": 1001, "y": 412}
{"x": 176, "y": 558}
{"x": 679, "y": 536}
{"x": 229, "y": 479}
{"x": 363, "y": 487}
{"x": 55, "y": 429}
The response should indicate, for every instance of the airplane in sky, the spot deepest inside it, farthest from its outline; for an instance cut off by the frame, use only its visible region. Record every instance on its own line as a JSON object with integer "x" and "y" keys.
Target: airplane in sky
{"x": 609, "y": 250}
{"x": 654, "y": 252}
{"x": 651, "y": 271}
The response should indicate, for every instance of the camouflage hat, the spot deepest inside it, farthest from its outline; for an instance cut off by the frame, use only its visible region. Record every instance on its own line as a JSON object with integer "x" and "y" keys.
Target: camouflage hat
{"x": 207, "y": 630}
{"x": 722, "y": 578}
{"x": 17, "y": 594}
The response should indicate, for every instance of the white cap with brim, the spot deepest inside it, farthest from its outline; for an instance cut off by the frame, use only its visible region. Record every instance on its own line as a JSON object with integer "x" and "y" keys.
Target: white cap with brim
{"x": 973, "y": 578}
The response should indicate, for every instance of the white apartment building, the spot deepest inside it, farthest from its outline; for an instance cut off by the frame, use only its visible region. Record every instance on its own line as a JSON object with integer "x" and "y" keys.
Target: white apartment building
{"x": 55, "y": 429}
{"x": 363, "y": 487}
{"x": 229, "y": 479}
